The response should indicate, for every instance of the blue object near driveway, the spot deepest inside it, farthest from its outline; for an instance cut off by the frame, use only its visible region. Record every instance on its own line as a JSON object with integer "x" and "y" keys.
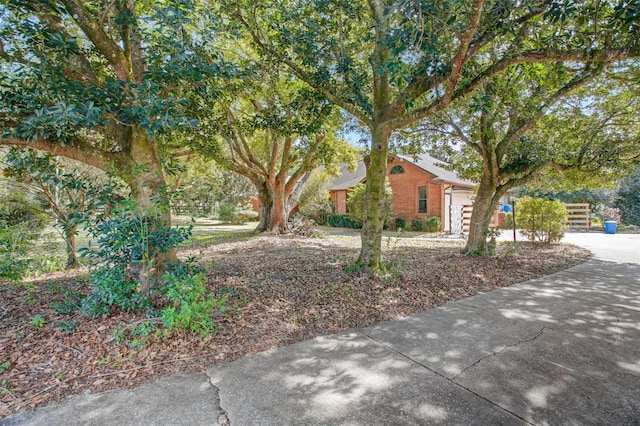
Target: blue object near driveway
{"x": 506, "y": 208}
{"x": 610, "y": 227}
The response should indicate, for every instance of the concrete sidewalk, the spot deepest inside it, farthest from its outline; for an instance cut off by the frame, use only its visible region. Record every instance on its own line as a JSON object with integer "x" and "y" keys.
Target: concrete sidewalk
{"x": 562, "y": 349}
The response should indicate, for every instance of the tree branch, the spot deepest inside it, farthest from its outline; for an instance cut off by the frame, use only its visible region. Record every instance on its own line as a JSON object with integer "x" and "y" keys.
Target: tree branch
{"x": 77, "y": 62}
{"x": 100, "y": 39}
{"x": 81, "y": 151}
{"x": 11, "y": 58}
{"x": 300, "y": 72}
{"x": 516, "y": 133}
{"x": 460, "y": 133}
{"x": 461, "y": 56}
{"x": 605, "y": 56}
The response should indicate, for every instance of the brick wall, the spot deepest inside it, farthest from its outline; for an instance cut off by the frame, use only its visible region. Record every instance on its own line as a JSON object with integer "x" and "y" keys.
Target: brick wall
{"x": 405, "y": 191}
{"x": 339, "y": 199}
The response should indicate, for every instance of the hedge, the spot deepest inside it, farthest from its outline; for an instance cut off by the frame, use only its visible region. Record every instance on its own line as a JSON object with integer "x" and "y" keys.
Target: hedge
{"x": 342, "y": 221}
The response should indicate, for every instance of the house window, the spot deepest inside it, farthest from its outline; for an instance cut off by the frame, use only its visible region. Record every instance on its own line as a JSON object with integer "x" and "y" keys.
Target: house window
{"x": 422, "y": 199}
{"x": 396, "y": 170}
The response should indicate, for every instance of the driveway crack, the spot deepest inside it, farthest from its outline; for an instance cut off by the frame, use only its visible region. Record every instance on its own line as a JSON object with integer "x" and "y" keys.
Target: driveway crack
{"x": 408, "y": 358}
{"x": 518, "y": 343}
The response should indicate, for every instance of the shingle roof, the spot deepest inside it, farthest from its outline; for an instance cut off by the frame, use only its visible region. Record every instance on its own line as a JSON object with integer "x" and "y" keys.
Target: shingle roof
{"x": 437, "y": 168}
{"x": 348, "y": 179}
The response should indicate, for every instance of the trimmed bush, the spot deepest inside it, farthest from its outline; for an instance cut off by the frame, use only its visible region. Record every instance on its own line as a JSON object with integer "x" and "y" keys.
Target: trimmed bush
{"x": 343, "y": 221}
{"x": 416, "y": 225}
{"x": 401, "y": 223}
{"x": 541, "y": 220}
{"x": 432, "y": 224}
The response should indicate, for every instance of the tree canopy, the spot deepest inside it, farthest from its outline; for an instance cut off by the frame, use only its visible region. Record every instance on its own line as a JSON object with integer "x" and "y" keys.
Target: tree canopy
{"x": 102, "y": 82}
{"x": 390, "y": 64}
{"x": 274, "y": 130}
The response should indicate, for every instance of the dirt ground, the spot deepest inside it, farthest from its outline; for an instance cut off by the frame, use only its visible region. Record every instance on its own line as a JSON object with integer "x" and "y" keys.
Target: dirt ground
{"x": 280, "y": 290}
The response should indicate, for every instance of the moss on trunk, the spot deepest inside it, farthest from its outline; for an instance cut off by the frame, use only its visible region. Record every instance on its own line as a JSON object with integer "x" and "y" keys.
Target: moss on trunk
{"x": 371, "y": 234}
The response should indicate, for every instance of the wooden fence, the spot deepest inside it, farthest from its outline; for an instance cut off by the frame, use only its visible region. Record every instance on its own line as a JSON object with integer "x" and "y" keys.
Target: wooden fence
{"x": 467, "y": 209}
{"x": 578, "y": 215}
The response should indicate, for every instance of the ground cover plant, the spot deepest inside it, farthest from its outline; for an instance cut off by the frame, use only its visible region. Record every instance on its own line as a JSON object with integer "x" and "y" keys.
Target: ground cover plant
{"x": 269, "y": 291}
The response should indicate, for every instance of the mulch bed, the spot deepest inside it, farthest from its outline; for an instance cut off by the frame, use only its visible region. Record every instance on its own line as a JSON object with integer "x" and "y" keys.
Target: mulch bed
{"x": 281, "y": 290}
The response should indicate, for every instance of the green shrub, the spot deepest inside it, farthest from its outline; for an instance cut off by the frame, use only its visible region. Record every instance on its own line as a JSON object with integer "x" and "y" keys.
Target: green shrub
{"x": 128, "y": 238}
{"x": 229, "y": 213}
{"x": 628, "y": 198}
{"x": 541, "y": 220}
{"x": 191, "y": 309}
{"x": 315, "y": 202}
{"x": 508, "y": 224}
{"x": 226, "y": 212}
{"x": 16, "y": 209}
{"x": 37, "y": 321}
{"x": 128, "y": 242}
{"x": 432, "y": 224}
{"x": 416, "y": 225}
{"x": 111, "y": 288}
{"x": 343, "y": 221}
{"x": 356, "y": 201}
{"x": 317, "y": 211}
{"x": 401, "y": 223}
{"x": 21, "y": 223}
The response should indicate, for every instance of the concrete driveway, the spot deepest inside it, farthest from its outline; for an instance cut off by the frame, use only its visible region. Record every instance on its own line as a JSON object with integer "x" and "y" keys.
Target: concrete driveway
{"x": 623, "y": 248}
{"x": 563, "y": 349}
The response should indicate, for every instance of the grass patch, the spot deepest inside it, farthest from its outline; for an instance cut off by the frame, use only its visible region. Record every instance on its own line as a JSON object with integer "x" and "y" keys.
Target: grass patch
{"x": 218, "y": 237}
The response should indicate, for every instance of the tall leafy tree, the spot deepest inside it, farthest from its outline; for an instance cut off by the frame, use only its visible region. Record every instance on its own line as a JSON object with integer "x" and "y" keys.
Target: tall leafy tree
{"x": 202, "y": 185}
{"x": 541, "y": 124}
{"x": 101, "y": 82}
{"x": 274, "y": 131}
{"x": 392, "y": 63}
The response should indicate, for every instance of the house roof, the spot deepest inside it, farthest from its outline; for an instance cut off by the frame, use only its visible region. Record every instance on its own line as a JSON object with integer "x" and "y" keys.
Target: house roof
{"x": 348, "y": 179}
{"x": 437, "y": 168}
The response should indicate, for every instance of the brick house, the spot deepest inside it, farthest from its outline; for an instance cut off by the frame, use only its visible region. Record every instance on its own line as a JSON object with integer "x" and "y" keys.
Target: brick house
{"x": 421, "y": 188}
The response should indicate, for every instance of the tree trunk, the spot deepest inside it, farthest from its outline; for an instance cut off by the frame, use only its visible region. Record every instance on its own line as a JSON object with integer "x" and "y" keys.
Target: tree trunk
{"x": 278, "y": 222}
{"x": 266, "y": 205}
{"x": 72, "y": 255}
{"x": 147, "y": 183}
{"x": 294, "y": 198}
{"x": 371, "y": 235}
{"x": 274, "y": 214}
{"x": 484, "y": 205}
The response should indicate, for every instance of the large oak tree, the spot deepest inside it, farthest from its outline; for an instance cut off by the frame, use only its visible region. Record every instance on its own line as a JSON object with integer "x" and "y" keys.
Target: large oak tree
{"x": 393, "y": 63}
{"x": 100, "y": 82}
{"x": 275, "y": 131}
{"x": 532, "y": 121}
